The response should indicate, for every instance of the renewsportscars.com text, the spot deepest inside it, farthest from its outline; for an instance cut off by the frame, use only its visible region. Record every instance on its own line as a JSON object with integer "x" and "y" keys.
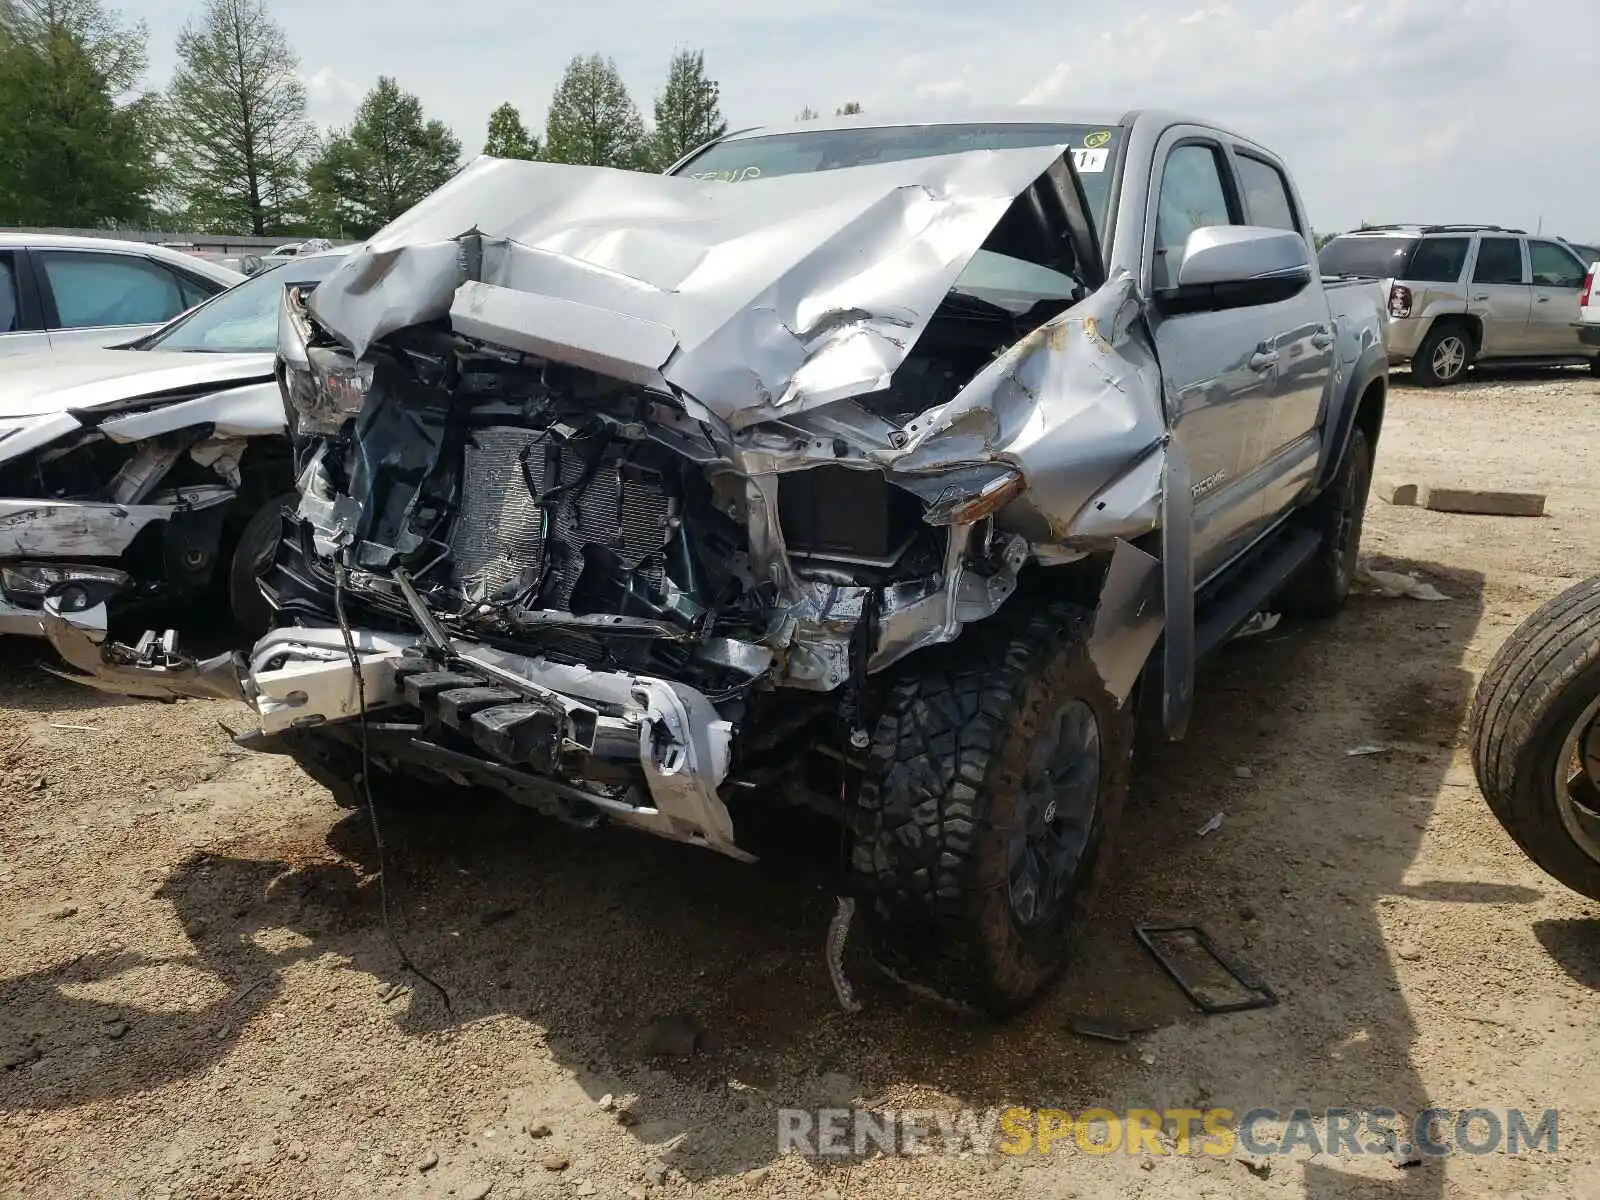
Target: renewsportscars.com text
{"x": 1434, "y": 1132}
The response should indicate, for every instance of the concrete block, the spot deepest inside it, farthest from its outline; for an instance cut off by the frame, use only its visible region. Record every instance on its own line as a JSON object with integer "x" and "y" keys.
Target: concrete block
{"x": 1487, "y": 503}
{"x": 1397, "y": 493}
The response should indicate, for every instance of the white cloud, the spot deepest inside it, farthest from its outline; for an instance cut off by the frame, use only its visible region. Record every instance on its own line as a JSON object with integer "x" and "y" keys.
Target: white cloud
{"x": 331, "y": 98}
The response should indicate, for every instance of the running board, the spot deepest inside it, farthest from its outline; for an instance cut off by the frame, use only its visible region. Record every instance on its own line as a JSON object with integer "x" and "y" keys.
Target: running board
{"x": 1253, "y": 587}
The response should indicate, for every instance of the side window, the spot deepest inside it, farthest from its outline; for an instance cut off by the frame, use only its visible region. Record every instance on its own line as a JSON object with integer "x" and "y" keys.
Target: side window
{"x": 10, "y": 297}
{"x": 1499, "y": 261}
{"x": 1439, "y": 260}
{"x": 1192, "y": 197}
{"x": 1266, "y": 194}
{"x": 93, "y": 289}
{"x": 1553, "y": 266}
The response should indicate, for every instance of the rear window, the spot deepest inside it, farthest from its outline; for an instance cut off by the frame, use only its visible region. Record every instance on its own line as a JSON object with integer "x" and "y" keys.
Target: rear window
{"x": 1438, "y": 260}
{"x": 738, "y": 160}
{"x": 1375, "y": 257}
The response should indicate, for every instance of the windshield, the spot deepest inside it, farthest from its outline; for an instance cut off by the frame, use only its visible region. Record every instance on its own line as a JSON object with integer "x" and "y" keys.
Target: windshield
{"x": 245, "y": 317}
{"x": 737, "y": 160}
{"x": 1374, "y": 257}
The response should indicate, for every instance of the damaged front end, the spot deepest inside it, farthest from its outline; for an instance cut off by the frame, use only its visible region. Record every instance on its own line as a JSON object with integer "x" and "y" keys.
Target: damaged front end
{"x": 127, "y": 504}
{"x": 619, "y": 503}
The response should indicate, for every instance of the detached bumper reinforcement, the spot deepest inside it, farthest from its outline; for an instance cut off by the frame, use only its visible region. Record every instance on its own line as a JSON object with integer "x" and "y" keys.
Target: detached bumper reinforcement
{"x": 529, "y": 719}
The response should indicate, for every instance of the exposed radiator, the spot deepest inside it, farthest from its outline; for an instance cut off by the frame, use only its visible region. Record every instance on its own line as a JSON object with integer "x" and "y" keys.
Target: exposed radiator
{"x": 501, "y": 543}
{"x": 498, "y": 541}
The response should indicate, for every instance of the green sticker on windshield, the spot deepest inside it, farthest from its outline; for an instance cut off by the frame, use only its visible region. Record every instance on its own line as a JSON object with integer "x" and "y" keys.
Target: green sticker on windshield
{"x": 737, "y": 175}
{"x": 1097, "y": 139}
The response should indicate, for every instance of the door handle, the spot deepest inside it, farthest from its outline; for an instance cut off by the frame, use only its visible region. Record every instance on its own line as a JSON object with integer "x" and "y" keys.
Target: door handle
{"x": 1322, "y": 338}
{"x": 1479, "y": 298}
{"x": 1542, "y": 299}
{"x": 1263, "y": 360}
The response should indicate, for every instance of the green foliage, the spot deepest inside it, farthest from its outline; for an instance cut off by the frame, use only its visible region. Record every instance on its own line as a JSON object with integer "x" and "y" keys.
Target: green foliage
{"x": 851, "y": 109}
{"x": 807, "y": 114}
{"x": 688, "y": 110}
{"x": 508, "y": 136}
{"x": 237, "y": 128}
{"x": 365, "y": 176}
{"x": 592, "y": 120}
{"x": 77, "y": 141}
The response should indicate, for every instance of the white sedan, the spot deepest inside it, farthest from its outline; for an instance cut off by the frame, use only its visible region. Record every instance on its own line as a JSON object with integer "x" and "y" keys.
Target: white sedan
{"x": 146, "y": 471}
{"x": 58, "y": 292}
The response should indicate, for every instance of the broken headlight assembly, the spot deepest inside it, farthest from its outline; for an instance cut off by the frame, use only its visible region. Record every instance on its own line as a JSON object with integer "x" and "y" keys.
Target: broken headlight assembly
{"x": 980, "y": 496}
{"x": 322, "y": 385}
{"x": 79, "y": 586}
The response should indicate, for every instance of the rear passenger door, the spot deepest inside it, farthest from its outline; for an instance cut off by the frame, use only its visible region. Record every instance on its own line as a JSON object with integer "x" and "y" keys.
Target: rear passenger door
{"x": 1501, "y": 298}
{"x": 104, "y": 298}
{"x": 1554, "y": 324}
{"x": 21, "y": 329}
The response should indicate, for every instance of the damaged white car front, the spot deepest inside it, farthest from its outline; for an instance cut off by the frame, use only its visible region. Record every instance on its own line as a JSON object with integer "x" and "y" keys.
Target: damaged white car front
{"x": 136, "y": 475}
{"x": 118, "y": 473}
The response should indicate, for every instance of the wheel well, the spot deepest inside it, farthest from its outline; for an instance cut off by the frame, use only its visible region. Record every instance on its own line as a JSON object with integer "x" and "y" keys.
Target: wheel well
{"x": 1467, "y": 321}
{"x": 265, "y": 471}
{"x": 1369, "y": 411}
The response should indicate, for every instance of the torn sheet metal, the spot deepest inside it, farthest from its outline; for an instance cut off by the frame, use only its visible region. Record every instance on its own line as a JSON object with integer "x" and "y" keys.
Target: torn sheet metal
{"x": 62, "y": 529}
{"x": 1073, "y": 404}
{"x": 1128, "y": 619}
{"x": 152, "y": 668}
{"x": 255, "y": 410}
{"x": 783, "y": 294}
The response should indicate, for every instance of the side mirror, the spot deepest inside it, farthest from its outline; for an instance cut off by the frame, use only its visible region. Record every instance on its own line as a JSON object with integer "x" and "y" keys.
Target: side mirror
{"x": 250, "y": 264}
{"x": 1238, "y": 266}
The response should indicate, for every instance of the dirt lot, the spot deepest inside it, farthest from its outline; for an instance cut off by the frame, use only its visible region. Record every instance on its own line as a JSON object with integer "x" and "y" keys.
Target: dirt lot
{"x": 197, "y": 999}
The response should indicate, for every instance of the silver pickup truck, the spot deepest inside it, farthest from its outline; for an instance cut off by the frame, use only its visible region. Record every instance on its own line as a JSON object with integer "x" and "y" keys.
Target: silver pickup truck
{"x": 876, "y": 469}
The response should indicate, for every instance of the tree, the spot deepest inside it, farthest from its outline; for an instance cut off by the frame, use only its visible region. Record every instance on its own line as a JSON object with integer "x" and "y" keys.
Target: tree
{"x": 688, "y": 110}
{"x": 237, "y": 128}
{"x": 508, "y": 136}
{"x": 77, "y": 139}
{"x": 807, "y": 114}
{"x": 365, "y": 176}
{"x": 592, "y": 120}
{"x": 851, "y": 109}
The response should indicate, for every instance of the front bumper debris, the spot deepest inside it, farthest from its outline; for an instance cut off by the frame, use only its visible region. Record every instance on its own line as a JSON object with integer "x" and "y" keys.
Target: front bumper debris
{"x": 153, "y": 668}
{"x": 660, "y": 747}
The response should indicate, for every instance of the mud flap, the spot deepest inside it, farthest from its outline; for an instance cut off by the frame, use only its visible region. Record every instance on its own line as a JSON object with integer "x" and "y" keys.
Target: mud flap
{"x": 1177, "y": 587}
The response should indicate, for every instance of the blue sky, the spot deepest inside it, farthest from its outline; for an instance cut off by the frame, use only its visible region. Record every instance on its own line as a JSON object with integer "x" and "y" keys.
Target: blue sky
{"x": 1435, "y": 110}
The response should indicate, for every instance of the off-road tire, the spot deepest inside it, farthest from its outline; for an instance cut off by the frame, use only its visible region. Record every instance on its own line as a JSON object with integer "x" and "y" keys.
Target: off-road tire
{"x": 1422, "y": 367}
{"x": 253, "y": 550}
{"x": 1539, "y": 685}
{"x": 1594, "y": 365}
{"x": 1321, "y": 587}
{"x": 941, "y": 795}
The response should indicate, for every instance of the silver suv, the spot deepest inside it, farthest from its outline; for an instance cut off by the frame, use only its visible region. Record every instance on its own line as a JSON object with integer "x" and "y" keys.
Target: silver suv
{"x": 1459, "y": 294}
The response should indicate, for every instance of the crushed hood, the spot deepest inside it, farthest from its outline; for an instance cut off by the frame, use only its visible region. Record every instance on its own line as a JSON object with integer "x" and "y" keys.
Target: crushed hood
{"x": 758, "y": 299}
{"x": 47, "y": 384}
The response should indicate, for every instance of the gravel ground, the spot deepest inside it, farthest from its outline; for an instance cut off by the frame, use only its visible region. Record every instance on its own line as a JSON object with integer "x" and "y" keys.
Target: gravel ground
{"x": 197, "y": 999}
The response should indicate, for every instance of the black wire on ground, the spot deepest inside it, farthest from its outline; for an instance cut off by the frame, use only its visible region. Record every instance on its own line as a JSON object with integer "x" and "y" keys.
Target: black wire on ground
{"x": 366, "y": 790}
